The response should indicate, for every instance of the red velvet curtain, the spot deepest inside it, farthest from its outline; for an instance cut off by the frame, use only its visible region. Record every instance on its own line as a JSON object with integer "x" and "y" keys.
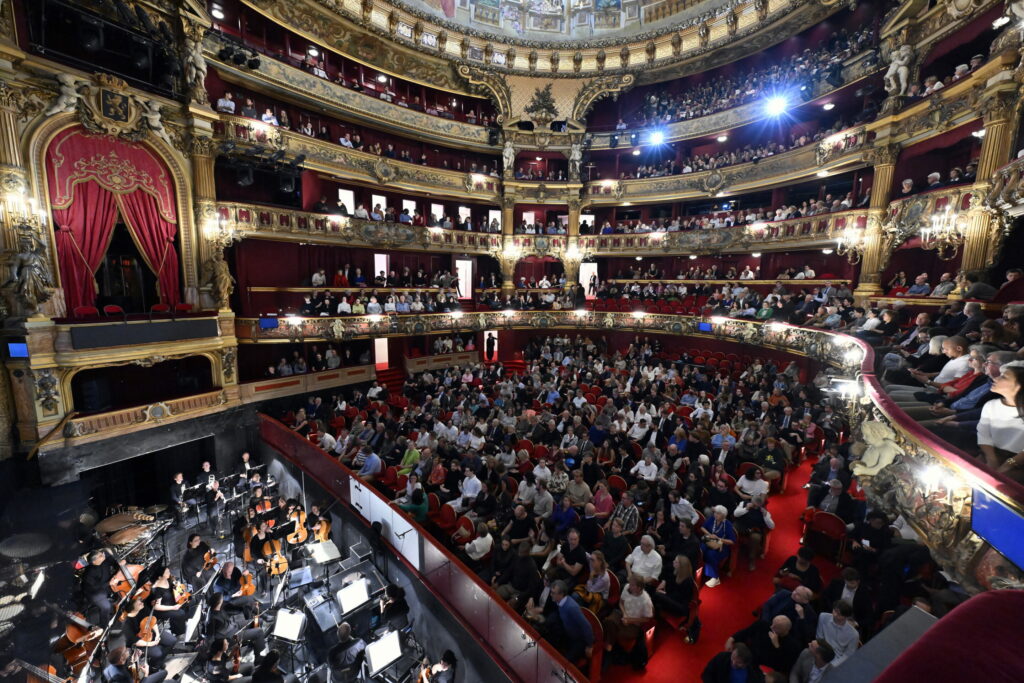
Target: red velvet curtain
{"x": 154, "y": 237}
{"x": 91, "y": 177}
{"x": 83, "y": 233}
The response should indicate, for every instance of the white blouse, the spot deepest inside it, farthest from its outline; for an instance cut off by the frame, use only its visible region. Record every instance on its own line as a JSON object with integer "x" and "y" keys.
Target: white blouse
{"x": 1001, "y": 426}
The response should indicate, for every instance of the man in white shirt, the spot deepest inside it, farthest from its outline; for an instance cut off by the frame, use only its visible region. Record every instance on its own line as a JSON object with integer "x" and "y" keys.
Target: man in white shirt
{"x": 644, "y": 562}
{"x": 541, "y": 471}
{"x": 226, "y": 104}
{"x": 646, "y": 470}
{"x": 469, "y": 489}
{"x": 835, "y": 627}
{"x": 361, "y": 213}
{"x": 635, "y": 611}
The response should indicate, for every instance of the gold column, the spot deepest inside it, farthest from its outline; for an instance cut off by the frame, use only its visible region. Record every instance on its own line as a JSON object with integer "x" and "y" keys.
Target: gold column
{"x": 573, "y": 229}
{"x": 13, "y": 177}
{"x": 983, "y": 235}
{"x": 875, "y": 256}
{"x": 508, "y": 205}
{"x": 204, "y": 194}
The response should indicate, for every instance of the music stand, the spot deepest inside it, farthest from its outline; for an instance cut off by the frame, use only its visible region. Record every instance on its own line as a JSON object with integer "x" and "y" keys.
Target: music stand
{"x": 361, "y": 550}
{"x": 383, "y": 652}
{"x": 353, "y": 596}
{"x": 289, "y": 625}
{"x": 323, "y": 554}
{"x": 297, "y": 578}
{"x": 178, "y": 664}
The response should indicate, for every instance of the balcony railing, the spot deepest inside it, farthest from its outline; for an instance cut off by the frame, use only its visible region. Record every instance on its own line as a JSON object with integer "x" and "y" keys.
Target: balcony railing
{"x": 844, "y": 149}
{"x": 352, "y": 164}
{"x": 291, "y": 83}
{"x": 253, "y": 220}
{"x": 1007, "y": 193}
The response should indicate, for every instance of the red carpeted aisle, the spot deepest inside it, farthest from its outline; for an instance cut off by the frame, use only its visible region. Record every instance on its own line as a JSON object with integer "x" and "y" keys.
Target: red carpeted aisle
{"x": 727, "y": 608}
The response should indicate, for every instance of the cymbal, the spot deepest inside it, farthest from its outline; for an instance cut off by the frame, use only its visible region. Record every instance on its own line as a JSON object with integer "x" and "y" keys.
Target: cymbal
{"x": 126, "y": 535}
{"x": 121, "y": 520}
{"x": 156, "y": 509}
{"x": 24, "y": 545}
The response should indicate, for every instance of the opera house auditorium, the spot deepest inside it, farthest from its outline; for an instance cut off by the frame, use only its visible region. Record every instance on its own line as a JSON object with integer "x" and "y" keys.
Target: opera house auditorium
{"x": 462, "y": 341}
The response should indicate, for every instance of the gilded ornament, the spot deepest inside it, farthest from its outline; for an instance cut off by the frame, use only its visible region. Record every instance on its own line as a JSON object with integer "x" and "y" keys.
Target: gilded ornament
{"x": 28, "y": 283}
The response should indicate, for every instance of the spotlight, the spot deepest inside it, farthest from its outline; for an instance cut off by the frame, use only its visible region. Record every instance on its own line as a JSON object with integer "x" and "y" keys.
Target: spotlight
{"x": 634, "y": 138}
{"x": 253, "y": 62}
{"x": 239, "y": 58}
{"x": 826, "y": 251}
{"x": 822, "y": 174}
{"x": 693, "y": 257}
{"x": 828, "y": 106}
{"x": 776, "y": 106}
{"x": 722, "y": 138}
{"x": 224, "y": 54}
{"x": 613, "y": 141}
{"x": 276, "y": 156}
{"x": 755, "y": 254}
{"x": 298, "y": 161}
{"x": 639, "y": 258}
{"x": 539, "y": 158}
{"x": 657, "y": 137}
{"x": 312, "y": 51}
{"x": 636, "y": 152}
{"x": 382, "y": 78}
{"x": 217, "y": 12}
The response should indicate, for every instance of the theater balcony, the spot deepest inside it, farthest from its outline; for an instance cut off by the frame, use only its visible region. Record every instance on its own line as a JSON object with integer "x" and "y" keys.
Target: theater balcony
{"x": 1007, "y": 192}
{"x": 88, "y": 378}
{"x": 287, "y": 83}
{"x": 328, "y": 158}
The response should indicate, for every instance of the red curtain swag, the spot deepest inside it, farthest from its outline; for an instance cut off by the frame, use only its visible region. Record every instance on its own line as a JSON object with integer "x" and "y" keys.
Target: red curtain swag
{"x": 91, "y": 178}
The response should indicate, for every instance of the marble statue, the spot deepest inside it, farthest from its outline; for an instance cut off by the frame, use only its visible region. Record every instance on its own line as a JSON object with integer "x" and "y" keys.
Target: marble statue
{"x": 897, "y": 76}
{"x": 28, "y": 284}
{"x": 880, "y": 449}
{"x": 151, "y": 112}
{"x": 67, "y": 98}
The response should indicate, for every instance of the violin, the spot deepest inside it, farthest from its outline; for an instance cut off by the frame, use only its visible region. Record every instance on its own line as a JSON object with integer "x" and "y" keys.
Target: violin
{"x": 424, "y": 674}
{"x": 209, "y": 559}
{"x": 236, "y": 656}
{"x": 276, "y": 562}
{"x": 181, "y": 594}
{"x": 301, "y": 533}
{"x": 149, "y": 629}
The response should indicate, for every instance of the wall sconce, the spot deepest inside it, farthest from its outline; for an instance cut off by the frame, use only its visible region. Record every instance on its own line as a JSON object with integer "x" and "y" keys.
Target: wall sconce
{"x": 945, "y": 234}
{"x": 20, "y": 210}
{"x": 221, "y": 232}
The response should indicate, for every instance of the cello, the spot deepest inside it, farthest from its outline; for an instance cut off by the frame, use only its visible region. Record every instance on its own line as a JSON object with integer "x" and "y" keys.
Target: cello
{"x": 301, "y": 533}
{"x": 277, "y": 564}
{"x": 322, "y": 530}
{"x": 79, "y": 640}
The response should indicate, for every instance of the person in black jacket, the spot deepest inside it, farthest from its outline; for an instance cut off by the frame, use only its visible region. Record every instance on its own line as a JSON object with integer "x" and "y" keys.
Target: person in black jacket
{"x": 725, "y": 667}
{"x": 834, "y": 499}
{"x": 849, "y": 587}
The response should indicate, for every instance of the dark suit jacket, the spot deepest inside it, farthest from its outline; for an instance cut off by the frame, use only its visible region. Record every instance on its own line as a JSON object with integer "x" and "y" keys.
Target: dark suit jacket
{"x": 862, "y": 605}
{"x": 719, "y": 670}
{"x": 846, "y": 508}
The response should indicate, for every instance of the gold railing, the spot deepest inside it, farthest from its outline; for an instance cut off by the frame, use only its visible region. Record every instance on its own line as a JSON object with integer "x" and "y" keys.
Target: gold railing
{"x": 840, "y": 152}
{"x": 290, "y": 83}
{"x": 253, "y": 220}
{"x": 904, "y": 470}
{"x": 1007, "y": 193}
{"x": 331, "y": 158}
{"x": 105, "y": 425}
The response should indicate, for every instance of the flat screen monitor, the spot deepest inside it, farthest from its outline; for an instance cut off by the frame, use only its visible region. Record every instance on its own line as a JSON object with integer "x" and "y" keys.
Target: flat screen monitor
{"x": 269, "y": 323}
{"x": 383, "y": 651}
{"x": 353, "y": 596}
{"x": 17, "y": 349}
{"x": 704, "y": 327}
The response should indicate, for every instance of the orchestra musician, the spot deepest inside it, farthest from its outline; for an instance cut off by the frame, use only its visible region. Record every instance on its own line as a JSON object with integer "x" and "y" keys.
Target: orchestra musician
{"x": 96, "y": 586}
{"x": 347, "y": 654}
{"x": 220, "y": 624}
{"x": 268, "y": 672}
{"x": 155, "y": 642}
{"x": 260, "y": 541}
{"x": 181, "y": 498}
{"x": 242, "y": 532}
{"x": 198, "y": 554}
{"x": 319, "y": 524}
{"x": 215, "y": 502}
{"x": 207, "y": 475}
{"x": 169, "y": 604}
{"x": 442, "y": 672}
{"x": 220, "y": 665}
{"x": 229, "y": 583}
{"x": 255, "y": 481}
{"x": 119, "y": 669}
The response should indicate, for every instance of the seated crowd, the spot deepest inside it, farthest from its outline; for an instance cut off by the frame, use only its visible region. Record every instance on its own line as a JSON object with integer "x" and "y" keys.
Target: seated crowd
{"x": 933, "y": 84}
{"x": 804, "y": 68}
{"x": 745, "y": 154}
{"x": 278, "y": 117}
{"x": 621, "y": 482}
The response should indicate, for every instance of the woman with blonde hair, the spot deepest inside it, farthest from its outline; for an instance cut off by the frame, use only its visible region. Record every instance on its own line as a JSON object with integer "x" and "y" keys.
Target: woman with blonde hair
{"x": 594, "y": 592}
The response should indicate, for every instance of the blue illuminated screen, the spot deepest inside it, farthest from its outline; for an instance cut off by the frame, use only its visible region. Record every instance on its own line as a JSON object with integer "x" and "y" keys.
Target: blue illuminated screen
{"x": 999, "y": 525}
{"x": 17, "y": 350}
